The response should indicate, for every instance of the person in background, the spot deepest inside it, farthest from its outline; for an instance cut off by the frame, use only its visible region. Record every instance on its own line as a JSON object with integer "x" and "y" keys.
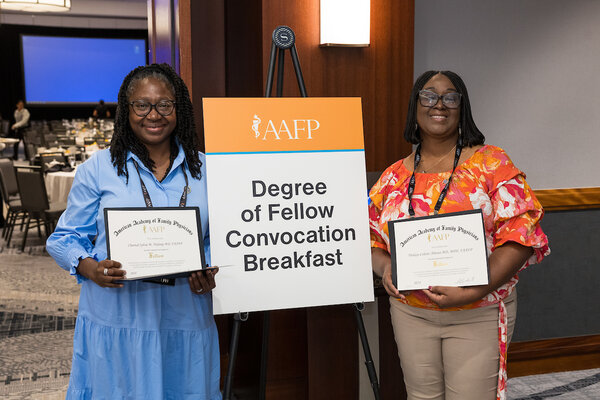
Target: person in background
{"x": 140, "y": 339}
{"x": 21, "y": 122}
{"x": 101, "y": 110}
{"x": 452, "y": 341}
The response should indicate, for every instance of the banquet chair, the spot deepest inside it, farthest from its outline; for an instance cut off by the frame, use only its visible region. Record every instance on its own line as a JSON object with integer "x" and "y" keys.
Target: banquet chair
{"x": 65, "y": 140}
{"x": 47, "y": 158}
{"x": 11, "y": 198}
{"x": 32, "y": 139}
{"x": 50, "y": 139}
{"x": 34, "y": 199}
{"x": 4, "y": 127}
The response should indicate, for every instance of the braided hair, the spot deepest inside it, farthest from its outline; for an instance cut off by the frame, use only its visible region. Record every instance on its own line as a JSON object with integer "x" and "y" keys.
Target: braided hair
{"x": 124, "y": 139}
{"x": 471, "y": 135}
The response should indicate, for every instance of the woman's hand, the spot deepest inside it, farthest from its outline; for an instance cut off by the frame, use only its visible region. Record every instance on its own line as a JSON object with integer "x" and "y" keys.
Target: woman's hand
{"x": 505, "y": 262}
{"x": 382, "y": 266}
{"x": 103, "y": 273}
{"x": 447, "y": 296}
{"x": 203, "y": 281}
{"x": 386, "y": 281}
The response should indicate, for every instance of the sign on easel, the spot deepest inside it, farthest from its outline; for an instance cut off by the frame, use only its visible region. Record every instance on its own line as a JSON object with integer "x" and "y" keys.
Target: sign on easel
{"x": 287, "y": 202}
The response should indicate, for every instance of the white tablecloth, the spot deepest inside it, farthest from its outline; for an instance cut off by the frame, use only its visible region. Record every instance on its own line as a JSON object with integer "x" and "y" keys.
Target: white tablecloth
{"x": 58, "y": 185}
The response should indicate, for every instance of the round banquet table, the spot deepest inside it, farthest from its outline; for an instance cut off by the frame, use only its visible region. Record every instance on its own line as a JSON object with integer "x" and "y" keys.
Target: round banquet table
{"x": 58, "y": 185}
{"x": 7, "y": 140}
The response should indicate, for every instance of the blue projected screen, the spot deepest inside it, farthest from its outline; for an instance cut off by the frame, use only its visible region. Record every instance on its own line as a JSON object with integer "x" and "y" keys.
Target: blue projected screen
{"x": 77, "y": 70}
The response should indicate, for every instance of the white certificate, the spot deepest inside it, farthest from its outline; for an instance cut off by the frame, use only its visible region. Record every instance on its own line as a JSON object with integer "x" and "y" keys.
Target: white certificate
{"x": 159, "y": 241}
{"x": 439, "y": 250}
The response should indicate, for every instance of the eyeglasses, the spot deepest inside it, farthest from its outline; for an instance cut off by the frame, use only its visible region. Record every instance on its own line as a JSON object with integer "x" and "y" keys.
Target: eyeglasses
{"x": 141, "y": 108}
{"x": 427, "y": 98}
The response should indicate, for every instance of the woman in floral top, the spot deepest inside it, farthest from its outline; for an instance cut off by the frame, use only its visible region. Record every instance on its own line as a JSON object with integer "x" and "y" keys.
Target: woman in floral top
{"x": 452, "y": 340}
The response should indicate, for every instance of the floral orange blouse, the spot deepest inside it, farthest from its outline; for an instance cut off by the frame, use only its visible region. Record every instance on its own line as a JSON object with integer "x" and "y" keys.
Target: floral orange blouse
{"x": 487, "y": 180}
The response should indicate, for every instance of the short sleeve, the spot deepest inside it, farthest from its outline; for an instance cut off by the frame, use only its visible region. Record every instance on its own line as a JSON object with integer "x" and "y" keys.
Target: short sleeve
{"x": 517, "y": 216}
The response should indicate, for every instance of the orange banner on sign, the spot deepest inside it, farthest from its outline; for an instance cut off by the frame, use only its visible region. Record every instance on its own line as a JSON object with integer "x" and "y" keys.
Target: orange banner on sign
{"x": 282, "y": 124}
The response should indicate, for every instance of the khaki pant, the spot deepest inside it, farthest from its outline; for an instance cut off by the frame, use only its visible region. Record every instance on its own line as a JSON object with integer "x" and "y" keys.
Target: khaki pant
{"x": 450, "y": 355}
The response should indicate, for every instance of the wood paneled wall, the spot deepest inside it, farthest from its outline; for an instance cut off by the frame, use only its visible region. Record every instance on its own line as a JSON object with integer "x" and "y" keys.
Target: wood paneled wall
{"x": 224, "y": 51}
{"x": 230, "y": 45}
{"x": 381, "y": 74}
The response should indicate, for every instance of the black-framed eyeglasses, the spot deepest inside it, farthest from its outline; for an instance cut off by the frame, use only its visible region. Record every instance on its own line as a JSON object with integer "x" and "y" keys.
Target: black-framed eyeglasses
{"x": 141, "y": 108}
{"x": 427, "y": 98}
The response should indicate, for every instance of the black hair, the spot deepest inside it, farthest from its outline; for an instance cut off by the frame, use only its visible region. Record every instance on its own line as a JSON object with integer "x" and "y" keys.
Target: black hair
{"x": 471, "y": 135}
{"x": 124, "y": 139}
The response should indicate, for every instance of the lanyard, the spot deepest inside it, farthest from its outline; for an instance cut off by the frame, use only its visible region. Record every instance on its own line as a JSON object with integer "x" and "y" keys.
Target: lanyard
{"x": 148, "y": 201}
{"x": 411, "y": 185}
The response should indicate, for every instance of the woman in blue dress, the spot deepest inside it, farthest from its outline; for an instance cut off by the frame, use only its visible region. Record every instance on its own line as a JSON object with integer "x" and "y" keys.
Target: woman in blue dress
{"x": 140, "y": 339}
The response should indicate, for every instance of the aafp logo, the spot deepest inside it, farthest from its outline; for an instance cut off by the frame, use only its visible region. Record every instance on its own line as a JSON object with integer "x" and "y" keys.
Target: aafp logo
{"x": 294, "y": 129}
{"x": 153, "y": 229}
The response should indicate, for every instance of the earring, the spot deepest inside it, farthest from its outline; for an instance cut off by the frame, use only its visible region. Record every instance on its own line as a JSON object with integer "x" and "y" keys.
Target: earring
{"x": 459, "y": 131}
{"x": 416, "y": 127}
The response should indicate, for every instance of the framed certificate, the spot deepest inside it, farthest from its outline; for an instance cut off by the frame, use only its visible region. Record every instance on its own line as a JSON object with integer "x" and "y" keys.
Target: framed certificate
{"x": 439, "y": 250}
{"x": 158, "y": 241}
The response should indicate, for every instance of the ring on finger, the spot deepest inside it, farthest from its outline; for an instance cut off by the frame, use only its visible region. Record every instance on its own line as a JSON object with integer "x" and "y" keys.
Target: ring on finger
{"x": 199, "y": 290}
{"x": 105, "y": 271}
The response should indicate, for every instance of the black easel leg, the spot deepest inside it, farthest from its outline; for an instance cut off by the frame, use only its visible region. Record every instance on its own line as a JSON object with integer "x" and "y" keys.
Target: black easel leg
{"x": 299, "y": 77}
{"x": 358, "y": 307}
{"x": 264, "y": 355}
{"x": 280, "y": 73}
{"x": 270, "y": 71}
{"x": 235, "y": 335}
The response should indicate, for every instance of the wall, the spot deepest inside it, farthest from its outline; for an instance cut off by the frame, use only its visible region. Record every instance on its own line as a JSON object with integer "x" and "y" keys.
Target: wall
{"x": 531, "y": 69}
{"x": 529, "y": 66}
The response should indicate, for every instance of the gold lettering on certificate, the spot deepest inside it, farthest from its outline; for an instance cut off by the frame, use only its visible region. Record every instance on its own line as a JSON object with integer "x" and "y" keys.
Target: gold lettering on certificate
{"x": 153, "y": 229}
{"x": 437, "y": 237}
{"x": 155, "y": 255}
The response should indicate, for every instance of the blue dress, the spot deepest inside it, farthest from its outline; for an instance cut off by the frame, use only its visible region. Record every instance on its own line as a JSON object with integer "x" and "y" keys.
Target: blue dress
{"x": 145, "y": 340}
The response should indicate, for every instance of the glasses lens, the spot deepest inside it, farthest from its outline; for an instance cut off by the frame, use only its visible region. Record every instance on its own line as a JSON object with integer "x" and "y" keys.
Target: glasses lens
{"x": 141, "y": 108}
{"x": 451, "y": 100}
{"x": 165, "y": 107}
{"x": 427, "y": 98}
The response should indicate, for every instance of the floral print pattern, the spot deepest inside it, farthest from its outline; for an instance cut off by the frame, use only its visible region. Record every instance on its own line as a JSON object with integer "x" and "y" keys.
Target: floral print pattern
{"x": 487, "y": 180}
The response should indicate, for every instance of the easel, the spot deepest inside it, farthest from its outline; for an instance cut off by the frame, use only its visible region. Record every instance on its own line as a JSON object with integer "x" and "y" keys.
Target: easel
{"x": 283, "y": 39}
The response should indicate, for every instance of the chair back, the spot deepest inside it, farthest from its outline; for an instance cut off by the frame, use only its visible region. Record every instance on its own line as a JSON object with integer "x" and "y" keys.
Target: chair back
{"x": 4, "y": 127}
{"x": 32, "y": 189}
{"x": 8, "y": 179}
{"x": 50, "y": 139}
{"x": 47, "y": 158}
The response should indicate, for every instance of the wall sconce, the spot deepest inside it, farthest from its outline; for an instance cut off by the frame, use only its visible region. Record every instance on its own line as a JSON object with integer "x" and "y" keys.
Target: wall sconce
{"x": 345, "y": 23}
{"x": 36, "y": 5}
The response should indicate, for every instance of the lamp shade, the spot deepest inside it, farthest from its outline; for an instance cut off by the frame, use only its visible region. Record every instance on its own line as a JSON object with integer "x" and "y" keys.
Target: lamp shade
{"x": 36, "y": 5}
{"x": 345, "y": 23}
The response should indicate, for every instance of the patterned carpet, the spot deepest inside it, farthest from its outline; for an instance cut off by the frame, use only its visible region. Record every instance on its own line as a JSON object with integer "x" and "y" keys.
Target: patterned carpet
{"x": 574, "y": 385}
{"x": 38, "y": 307}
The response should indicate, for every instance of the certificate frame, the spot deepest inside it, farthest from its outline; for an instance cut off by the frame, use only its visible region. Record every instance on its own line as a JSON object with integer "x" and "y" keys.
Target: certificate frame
{"x": 167, "y": 220}
{"x": 415, "y": 230}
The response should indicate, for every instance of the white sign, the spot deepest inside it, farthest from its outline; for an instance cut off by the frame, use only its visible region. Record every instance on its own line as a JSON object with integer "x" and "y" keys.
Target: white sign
{"x": 287, "y": 203}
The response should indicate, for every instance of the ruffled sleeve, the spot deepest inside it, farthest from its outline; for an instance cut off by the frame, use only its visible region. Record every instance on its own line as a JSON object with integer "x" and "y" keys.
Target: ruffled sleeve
{"x": 377, "y": 200}
{"x": 517, "y": 212}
